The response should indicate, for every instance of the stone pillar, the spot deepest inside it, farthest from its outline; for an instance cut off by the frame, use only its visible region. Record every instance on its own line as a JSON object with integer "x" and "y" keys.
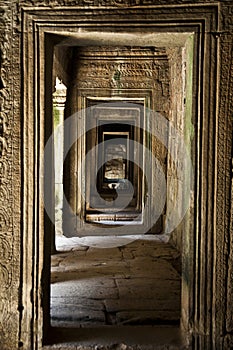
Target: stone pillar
{"x": 59, "y": 99}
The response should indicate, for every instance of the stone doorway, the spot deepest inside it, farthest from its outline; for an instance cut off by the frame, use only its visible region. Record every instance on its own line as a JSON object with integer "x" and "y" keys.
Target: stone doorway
{"x": 194, "y": 303}
{"x": 121, "y": 95}
{"x": 142, "y": 77}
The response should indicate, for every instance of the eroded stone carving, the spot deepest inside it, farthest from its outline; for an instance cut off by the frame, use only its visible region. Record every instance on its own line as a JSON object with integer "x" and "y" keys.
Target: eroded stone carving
{"x": 227, "y": 17}
{"x": 127, "y": 72}
{"x": 10, "y": 11}
{"x": 226, "y": 108}
{"x": 224, "y": 248}
{"x": 115, "y": 3}
{"x": 9, "y": 176}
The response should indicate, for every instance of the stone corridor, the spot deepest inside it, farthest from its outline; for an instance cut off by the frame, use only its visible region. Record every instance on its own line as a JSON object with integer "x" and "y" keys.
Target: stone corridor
{"x": 135, "y": 284}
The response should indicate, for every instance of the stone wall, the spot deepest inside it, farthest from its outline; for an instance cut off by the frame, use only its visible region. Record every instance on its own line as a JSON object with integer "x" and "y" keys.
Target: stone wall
{"x": 10, "y": 176}
{"x": 211, "y": 248}
{"x": 181, "y": 86}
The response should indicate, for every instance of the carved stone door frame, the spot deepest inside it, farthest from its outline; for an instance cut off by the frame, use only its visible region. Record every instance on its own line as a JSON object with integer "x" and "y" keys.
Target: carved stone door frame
{"x": 42, "y": 29}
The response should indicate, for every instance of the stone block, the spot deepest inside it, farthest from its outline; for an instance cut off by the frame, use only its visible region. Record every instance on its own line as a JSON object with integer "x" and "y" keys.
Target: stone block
{"x": 147, "y": 317}
{"x": 148, "y": 288}
{"x": 142, "y": 304}
{"x": 85, "y": 289}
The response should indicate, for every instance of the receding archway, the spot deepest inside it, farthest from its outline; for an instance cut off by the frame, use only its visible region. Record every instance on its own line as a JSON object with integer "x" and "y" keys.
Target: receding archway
{"x": 176, "y": 103}
{"x": 188, "y": 287}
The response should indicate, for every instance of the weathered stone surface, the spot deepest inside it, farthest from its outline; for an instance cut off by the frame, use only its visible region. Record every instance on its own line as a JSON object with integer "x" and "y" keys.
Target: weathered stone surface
{"x": 81, "y": 303}
{"x": 89, "y": 288}
{"x": 141, "y": 288}
{"x": 147, "y": 317}
{"x": 89, "y": 267}
{"x": 128, "y": 290}
{"x": 213, "y": 142}
{"x": 159, "y": 268}
{"x": 104, "y": 254}
{"x": 71, "y": 315}
{"x": 142, "y": 304}
{"x": 127, "y": 337}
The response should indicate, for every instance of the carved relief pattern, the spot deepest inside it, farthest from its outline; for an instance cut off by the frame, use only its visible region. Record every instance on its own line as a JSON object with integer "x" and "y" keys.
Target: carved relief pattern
{"x": 125, "y": 69}
{"x": 227, "y": 18}
{"x": 10, "y": 146}
{"x": 9, "y": 184}
{"x": 224, "y": 181}
{"x": 132, "y": 74}
{"x": 115, "y": 3}
{"x": 229, "y": 319}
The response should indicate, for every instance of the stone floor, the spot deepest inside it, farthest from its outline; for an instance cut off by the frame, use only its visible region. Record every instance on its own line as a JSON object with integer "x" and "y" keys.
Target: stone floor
{"x": 133, "y": 284}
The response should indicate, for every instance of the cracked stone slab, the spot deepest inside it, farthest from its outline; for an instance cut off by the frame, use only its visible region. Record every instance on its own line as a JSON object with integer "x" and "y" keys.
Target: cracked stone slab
{"x": 87, "y": 289}
{"x": 94, "y": 268}
{"x": 103, "y": 254}
{"x": 145, "y": 248}
{"x": 86, "y": 262}
{"x": 72, "y": 313}
{"x": 146, "y": 317}
{"x": 127, "y": 285}
{"x": 144, "y": 288}
{"x": 130, "y": 304}
{"x": 81, "y": 303}
{"x": 158, "y": 269}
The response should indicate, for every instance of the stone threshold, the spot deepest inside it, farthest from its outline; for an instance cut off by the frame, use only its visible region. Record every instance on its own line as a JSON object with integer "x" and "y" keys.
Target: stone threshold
{"x": 117, "y": 338}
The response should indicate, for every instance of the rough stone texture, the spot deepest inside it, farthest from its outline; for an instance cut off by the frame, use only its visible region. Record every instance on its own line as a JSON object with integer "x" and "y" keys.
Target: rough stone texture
{"x": 102, "y": 286}
{"x": 115, "y": 3}
{"x": 126, "y": 337}
{"x": 9, "y": 175}
{"x": 115, "y": 347}
{"x": 177, "y": 118}
{"x": 218, "y": 217}
{"x": 229, "y": 321}
{"x": 224, "y": 277}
